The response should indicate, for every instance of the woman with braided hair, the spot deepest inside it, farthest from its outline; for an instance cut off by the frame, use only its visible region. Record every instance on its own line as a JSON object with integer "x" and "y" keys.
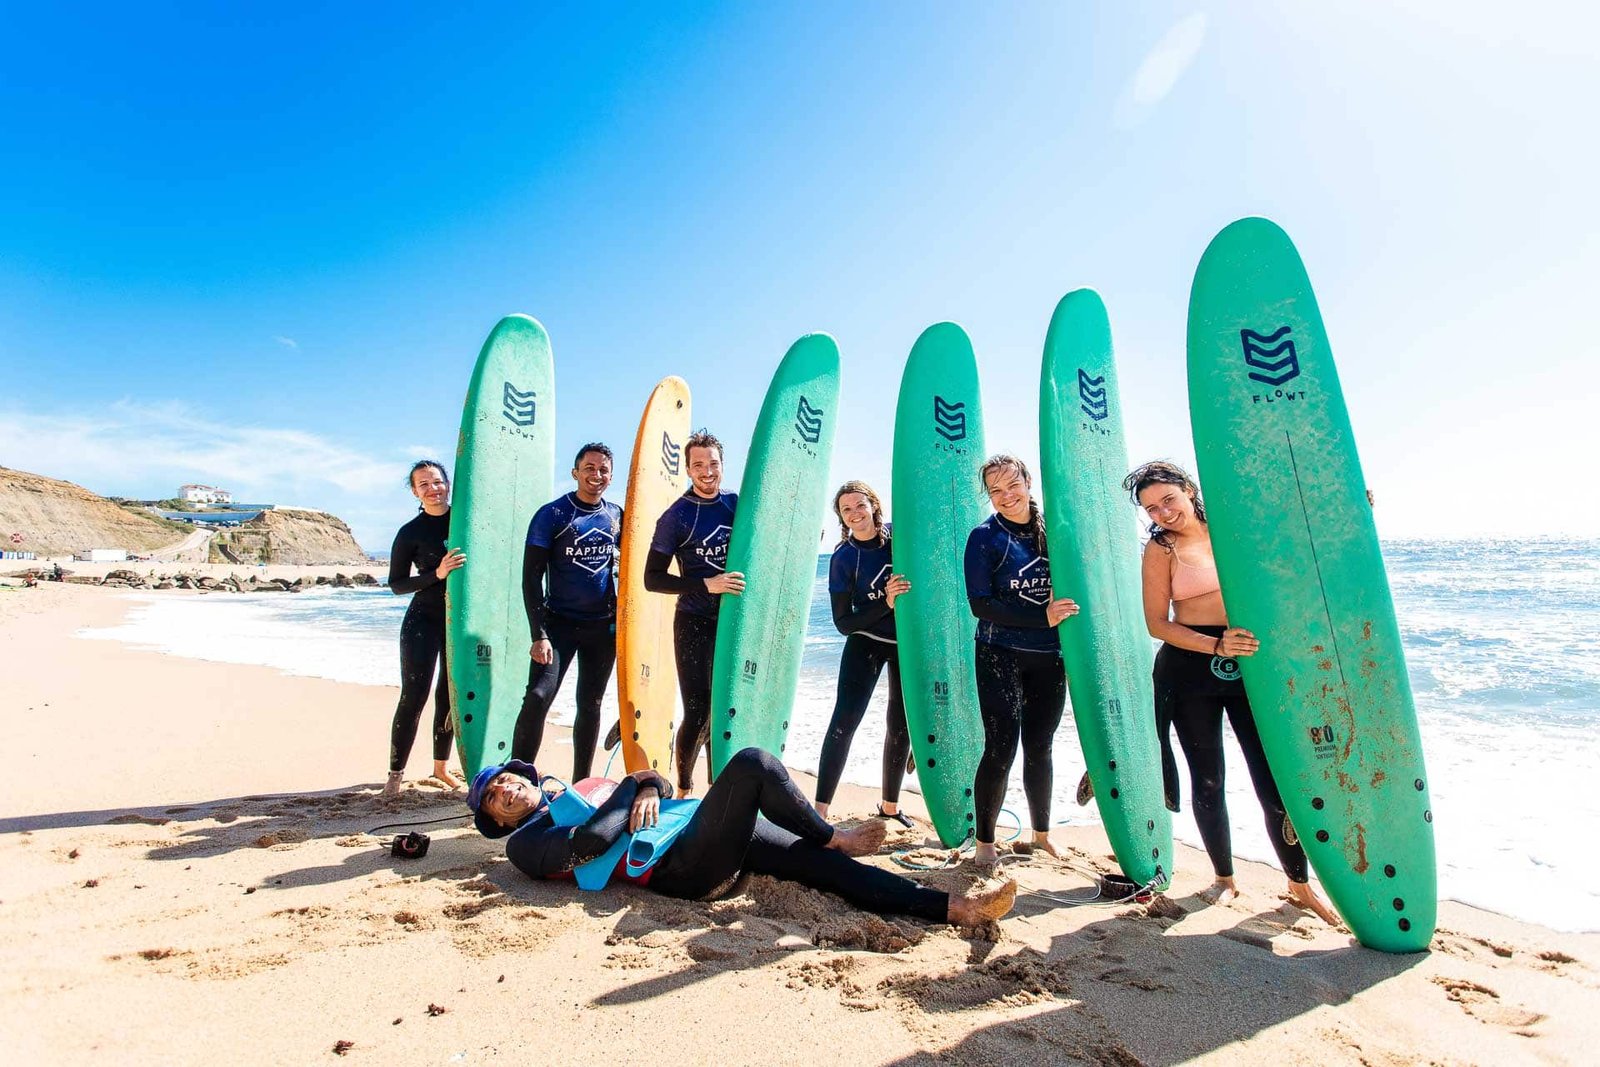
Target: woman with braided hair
{"x": 1022, "y": 683}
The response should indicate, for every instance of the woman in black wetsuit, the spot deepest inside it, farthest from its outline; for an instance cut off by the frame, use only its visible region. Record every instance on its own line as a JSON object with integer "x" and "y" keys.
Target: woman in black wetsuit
{"x": 1197, "y": 679}
{"x": 863, "y": 588}
{"x": 421, "y": 544}
{"x": 754, "y": 819}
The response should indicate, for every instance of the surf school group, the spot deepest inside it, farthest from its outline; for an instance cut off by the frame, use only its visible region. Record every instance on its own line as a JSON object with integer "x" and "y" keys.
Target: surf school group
{"x": 982, "y": 617}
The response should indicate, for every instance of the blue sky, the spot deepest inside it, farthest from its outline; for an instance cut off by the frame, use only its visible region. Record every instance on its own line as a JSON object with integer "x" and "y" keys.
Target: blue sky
{"x": 260, "y": 245}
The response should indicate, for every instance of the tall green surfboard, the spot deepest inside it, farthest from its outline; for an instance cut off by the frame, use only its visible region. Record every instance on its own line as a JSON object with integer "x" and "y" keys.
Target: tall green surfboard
{"x": 1094, "y": 559}
{"x": 504, "y": 473}
{"x": 761, "y": 632}
{"x": 938, "y": 499}
{"x": 1298, "y": 557}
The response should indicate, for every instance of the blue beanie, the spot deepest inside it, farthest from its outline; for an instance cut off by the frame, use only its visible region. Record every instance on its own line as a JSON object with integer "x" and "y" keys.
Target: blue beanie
{"x": 485, "y": 823}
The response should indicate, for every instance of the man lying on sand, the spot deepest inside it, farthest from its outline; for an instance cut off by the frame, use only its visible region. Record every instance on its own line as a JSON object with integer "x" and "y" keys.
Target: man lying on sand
{"x": 723, "y": 840}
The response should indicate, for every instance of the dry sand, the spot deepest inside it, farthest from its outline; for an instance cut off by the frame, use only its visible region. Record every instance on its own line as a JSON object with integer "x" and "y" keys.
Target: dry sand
{"x": 184, "y": 879}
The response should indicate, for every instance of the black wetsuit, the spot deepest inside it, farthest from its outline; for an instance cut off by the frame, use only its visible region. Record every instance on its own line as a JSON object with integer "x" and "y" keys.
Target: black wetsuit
{"x": 1022, "y": 683}
{"x": 575, "y": 545}
{"x": 420, "y": 544}
{"x": 753, "y": 819}
{"x": 1193, "y": 690}
{"x": 857, "y": 574}
{"x": 694, "y": 531}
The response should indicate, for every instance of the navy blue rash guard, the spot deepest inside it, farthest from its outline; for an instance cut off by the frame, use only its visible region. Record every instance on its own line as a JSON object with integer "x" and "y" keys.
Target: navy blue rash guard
{"x": 857, "y": 575}
{"x": 575, "y": 545}
{"x": 695, "y": 531}
{"x": 1008, "y": 586}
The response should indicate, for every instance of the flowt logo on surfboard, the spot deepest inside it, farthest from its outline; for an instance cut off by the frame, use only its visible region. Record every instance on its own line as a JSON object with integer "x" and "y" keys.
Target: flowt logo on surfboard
{"x": 1092, "y": 395}
{"x": 1272, "y": 356}
{"x": 1273, "y": 361}
{"x": 808, "y": 422}
{"x": 519, "y": 408}
{"x": 949, "y": 420}
{"x": 671, "y": 454}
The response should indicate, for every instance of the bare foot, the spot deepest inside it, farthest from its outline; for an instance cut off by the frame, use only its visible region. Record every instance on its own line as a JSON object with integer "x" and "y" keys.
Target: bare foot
{"x": 861, "y": 840}
{"x": 822, "y": 809}
{"x": 1221, "y": 891}
{"x": 975, "y": 909}
{"x": 1041, "y": 843}
{"x": 442, "y": 775}
{"x": 985, "y": 855}
{"x": 1301, "y": 895}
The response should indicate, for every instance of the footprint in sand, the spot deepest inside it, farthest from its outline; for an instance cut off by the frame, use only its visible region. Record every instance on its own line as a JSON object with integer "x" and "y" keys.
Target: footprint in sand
{"x": 1134, "y": 978}
{"x": 1484, "y": 1004}
{"x": 1554, "y": 961}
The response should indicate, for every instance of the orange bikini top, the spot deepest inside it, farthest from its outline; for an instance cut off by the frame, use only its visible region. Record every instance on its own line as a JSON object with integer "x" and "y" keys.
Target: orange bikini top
{"x": 1189, "y": 581}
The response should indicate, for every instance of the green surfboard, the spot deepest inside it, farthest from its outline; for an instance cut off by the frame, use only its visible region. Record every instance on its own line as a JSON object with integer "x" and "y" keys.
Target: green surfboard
{"x": 761, "y": 632}
{"x": 504, "y": 473}
{"x": 1094, "y": 559}
{"x": 1298, "y": 557}
{"x": 938, "y": 451}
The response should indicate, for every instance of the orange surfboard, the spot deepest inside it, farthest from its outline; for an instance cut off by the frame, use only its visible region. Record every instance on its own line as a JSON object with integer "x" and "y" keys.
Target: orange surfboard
{"x": 647, "y": 675}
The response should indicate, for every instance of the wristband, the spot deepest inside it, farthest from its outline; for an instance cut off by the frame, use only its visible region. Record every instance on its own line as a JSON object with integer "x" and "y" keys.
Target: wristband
{"x": 1216, "y": 649}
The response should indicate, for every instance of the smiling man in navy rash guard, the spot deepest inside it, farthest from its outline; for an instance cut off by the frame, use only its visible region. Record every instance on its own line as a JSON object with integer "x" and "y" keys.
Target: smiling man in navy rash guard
{"x": 694, "y": 530}
{"x": 572, "y": 547}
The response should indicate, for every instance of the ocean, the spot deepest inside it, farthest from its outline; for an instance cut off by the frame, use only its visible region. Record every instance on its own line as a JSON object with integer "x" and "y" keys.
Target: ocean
{"x": 1501, "y": 641}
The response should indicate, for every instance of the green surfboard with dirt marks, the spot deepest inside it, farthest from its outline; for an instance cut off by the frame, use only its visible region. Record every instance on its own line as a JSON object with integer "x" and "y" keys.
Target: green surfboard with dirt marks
{"x": 1297, "y": 553}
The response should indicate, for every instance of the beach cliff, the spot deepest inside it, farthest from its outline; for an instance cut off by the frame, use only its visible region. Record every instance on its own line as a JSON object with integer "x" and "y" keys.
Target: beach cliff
{"x": 50, "y": 517}
{"x": 291, "y": 536}
{"x": 54, "y": 518}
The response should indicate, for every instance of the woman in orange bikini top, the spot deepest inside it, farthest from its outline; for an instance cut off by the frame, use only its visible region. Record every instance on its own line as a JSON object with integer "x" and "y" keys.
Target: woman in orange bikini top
{"x": 1197, "y": 679}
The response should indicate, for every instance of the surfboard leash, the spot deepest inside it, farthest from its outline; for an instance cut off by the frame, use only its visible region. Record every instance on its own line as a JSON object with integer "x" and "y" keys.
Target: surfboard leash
{"x": 953, "y": 858}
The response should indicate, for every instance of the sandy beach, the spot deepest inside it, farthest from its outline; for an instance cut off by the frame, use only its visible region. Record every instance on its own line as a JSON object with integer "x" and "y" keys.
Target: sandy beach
{"x": 186, "y": 878}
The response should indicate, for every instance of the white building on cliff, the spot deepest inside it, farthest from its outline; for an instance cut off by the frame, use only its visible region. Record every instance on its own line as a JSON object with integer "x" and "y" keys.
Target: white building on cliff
{"x": 205, "y": 494}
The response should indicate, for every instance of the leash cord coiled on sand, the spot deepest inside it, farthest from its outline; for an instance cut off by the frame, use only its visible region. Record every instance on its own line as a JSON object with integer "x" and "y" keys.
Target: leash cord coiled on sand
{"x": 953, "y": 858}
{"x": 415, "y": 822}
{"x": 1100, "y": 899}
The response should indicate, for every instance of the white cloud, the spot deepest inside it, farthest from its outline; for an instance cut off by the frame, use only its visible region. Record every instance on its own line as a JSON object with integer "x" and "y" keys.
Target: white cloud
{"x": 287, "y": 342}
{"x": 133, "y": 449}
{"x": 1161, "y": 69}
